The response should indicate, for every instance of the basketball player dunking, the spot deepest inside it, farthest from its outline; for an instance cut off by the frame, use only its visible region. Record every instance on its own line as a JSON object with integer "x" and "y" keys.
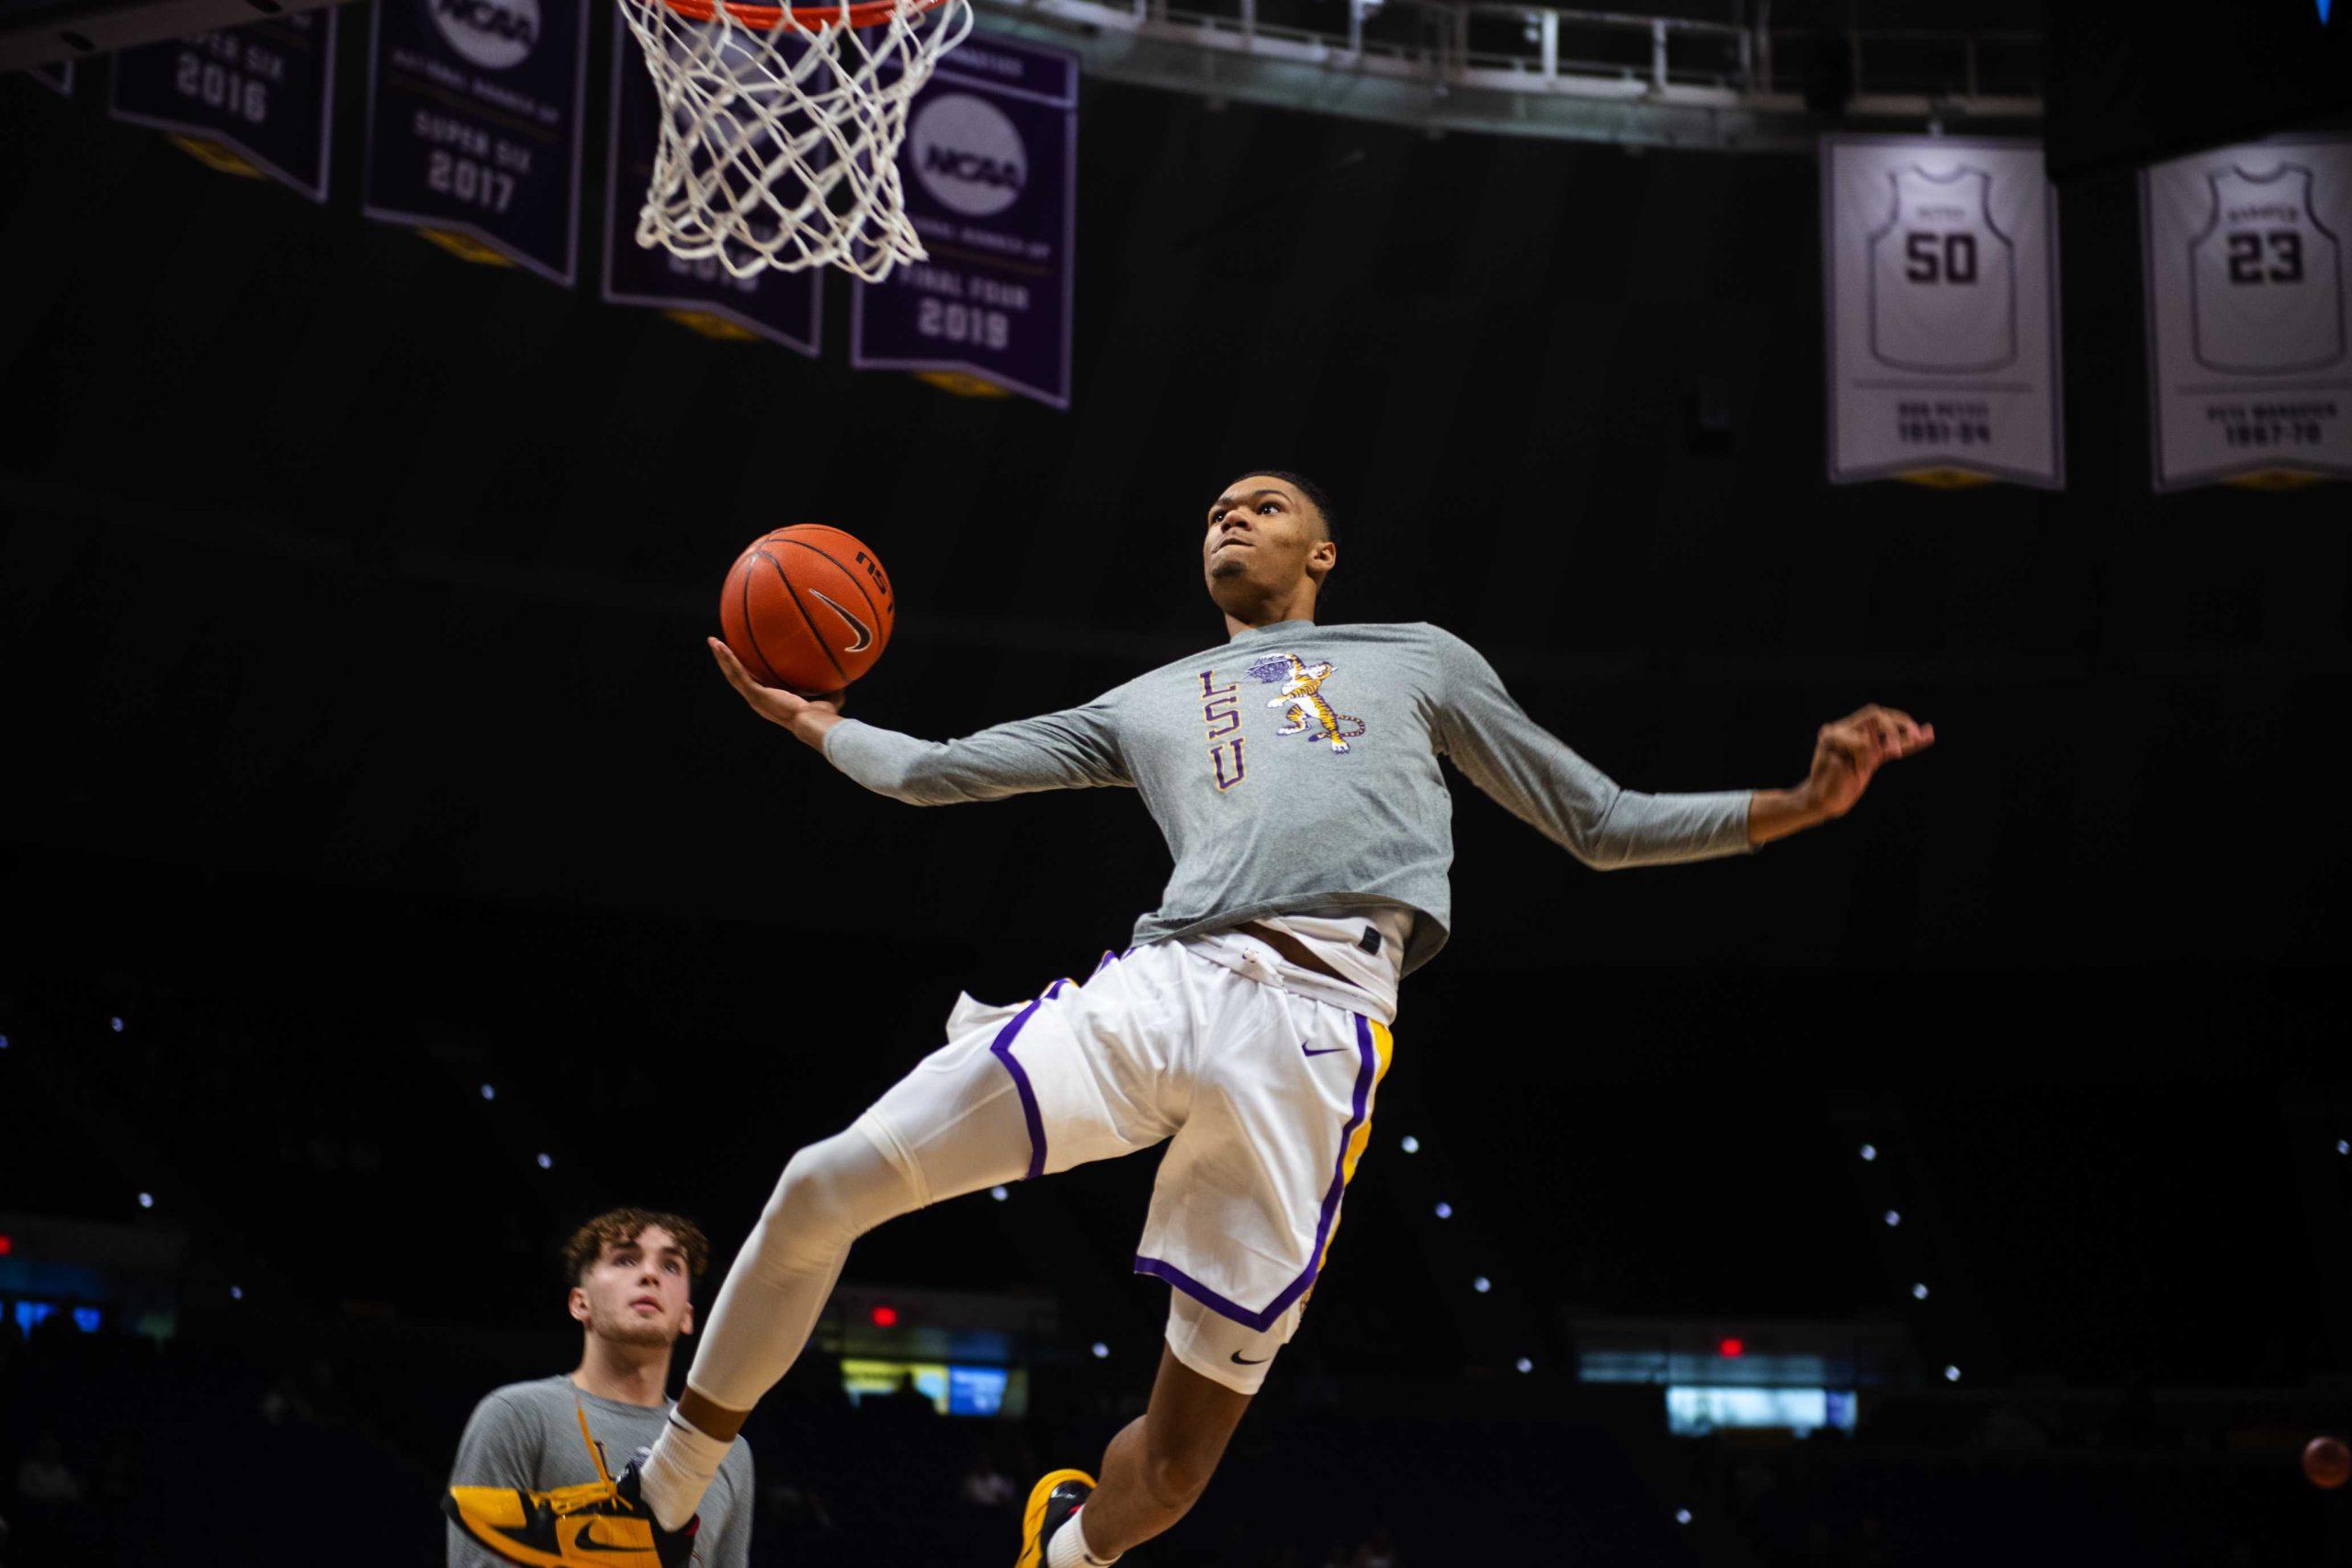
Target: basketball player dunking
{"x": 1293, "y": 770}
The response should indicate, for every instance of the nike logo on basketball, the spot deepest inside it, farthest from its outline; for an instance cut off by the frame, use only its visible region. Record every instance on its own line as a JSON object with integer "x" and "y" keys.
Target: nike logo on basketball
{"x": 1325, "y": 1052}
{"x": 1241, "y": 1361}
{"x": 864, "y": 639}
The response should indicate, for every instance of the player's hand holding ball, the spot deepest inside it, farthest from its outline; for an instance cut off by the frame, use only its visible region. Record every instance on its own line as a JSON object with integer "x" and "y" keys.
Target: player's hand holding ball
{"x": 806, "y": 611}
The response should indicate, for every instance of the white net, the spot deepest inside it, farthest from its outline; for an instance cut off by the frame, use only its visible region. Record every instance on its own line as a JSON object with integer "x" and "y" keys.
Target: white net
{"x": 780, "y": 143}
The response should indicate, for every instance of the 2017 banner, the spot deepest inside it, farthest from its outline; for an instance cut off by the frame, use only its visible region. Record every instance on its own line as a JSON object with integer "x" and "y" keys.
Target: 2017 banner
{"x": 264, "y": 92}
{"x": 1940, "y": 265}
{"x": 990, "y": 166}
{"x": 474, "y": 124}
{"x": 2249, "y": 371}
{"x": 782, "y": 307}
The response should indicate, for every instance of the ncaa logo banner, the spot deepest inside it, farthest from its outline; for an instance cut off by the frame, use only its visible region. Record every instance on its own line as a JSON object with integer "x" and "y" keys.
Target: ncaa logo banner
{"x": 991, "y": 168}
{"x": 474, "y": 111}
{"x": 264, "y": 93}
{"x": 782, "y": 307}
{"x": 1939, "y": 270}
{"x": 2244, "y": 251}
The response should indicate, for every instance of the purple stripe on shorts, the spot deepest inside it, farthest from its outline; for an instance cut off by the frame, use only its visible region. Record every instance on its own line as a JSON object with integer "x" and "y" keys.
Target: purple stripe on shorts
{"x": 1261, "y": 1321}
{"x": 1002, "y": 1050}
{"x": 1367, "y": 1069}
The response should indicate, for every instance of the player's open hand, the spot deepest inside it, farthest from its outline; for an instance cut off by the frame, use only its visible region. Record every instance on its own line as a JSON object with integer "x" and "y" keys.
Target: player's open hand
{"x": 807, "y": 717}
{"x": 1847, "y": 754}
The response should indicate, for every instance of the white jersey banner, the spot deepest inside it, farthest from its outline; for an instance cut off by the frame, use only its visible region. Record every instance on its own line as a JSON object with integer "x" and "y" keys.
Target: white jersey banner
{"x": 1940, "y": 265}
{"x": 2249, "y": 372}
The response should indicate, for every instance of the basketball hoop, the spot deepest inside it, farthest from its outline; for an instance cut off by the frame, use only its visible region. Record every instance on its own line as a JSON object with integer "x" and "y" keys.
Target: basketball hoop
{"x": 781, "y": 126}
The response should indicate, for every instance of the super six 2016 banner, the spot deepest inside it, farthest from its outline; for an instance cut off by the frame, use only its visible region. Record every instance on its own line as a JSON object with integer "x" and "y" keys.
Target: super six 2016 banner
{"x": 474, "y": 123}
{"x": 255, "y": 99}
{"x": 2249, "y": 291}
{"x": 1939, "y": 260}
{"x": 991, "y": 165}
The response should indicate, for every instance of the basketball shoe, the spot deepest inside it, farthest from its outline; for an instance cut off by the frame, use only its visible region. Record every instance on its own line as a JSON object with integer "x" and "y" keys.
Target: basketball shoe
{"x": 1051, "y": 1503}
{"x": 601, "y": 1521}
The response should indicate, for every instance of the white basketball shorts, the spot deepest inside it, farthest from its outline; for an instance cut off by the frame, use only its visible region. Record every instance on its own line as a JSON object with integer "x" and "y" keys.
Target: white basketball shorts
{"x": 1264, "y": 1095}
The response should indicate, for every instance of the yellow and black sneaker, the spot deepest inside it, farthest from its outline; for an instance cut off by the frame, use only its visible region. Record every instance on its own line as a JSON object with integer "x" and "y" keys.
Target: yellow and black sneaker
{"x": 604, "y": 1521}
{"x": 1052, "y": 1501}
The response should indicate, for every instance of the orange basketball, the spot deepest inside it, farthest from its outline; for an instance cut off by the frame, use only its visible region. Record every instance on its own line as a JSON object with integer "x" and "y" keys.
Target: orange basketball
{"x": 807, "y": 608}
{"x": 2327, "y": 1461}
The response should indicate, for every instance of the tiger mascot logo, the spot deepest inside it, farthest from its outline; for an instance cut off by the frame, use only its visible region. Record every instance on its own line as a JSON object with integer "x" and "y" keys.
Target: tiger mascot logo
{"x": 1301, "y": 691}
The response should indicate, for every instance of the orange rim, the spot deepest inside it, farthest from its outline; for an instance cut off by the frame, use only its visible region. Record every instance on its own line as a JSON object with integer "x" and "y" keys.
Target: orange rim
{"x": 806, "y": 18}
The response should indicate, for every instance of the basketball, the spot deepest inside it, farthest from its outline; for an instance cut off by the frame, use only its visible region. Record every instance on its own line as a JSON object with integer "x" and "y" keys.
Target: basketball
{"x": 807, "y": 608}
{"x": 2327, "y": 1461}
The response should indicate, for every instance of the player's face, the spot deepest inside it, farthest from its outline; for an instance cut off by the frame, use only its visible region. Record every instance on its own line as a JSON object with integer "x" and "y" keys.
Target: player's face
{"x": 637, "y": 1292}
{"x": 1263, "y": 538}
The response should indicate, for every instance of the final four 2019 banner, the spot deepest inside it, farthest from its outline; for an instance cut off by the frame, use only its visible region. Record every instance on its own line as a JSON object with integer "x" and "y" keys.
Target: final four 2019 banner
{"x": 991, "y": 165}
{"x": 1939, "y": 260}
{"x": 264, "y": 92}
{"x": 2249, "y": 291}
{"x": 474, "y": 123}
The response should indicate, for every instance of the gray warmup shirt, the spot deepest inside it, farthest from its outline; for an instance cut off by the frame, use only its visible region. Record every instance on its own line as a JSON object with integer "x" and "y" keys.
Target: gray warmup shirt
{"x": 1293, "y": 770}
{"x": 527, "y": 1435}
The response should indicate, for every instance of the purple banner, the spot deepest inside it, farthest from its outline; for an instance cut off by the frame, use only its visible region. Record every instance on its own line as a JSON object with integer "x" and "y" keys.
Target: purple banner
{"x": 474, "y": 124}
{"x": 264, "y": 91}
{"x": 990, "y": 166}
{"x": 782, "y": 307}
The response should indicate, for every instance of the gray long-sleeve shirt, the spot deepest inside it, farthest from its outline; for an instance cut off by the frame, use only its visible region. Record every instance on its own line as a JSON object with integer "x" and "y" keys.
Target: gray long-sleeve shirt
{"x": 526, "y": 1435}
{"x": 1293, "y": 770}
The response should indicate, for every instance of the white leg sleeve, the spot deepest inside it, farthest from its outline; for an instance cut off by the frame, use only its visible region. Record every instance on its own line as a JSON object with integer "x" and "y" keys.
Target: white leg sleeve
{"x": 947, "y": 1133}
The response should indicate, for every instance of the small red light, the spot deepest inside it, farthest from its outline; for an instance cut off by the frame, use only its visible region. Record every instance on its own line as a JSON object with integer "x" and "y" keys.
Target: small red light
{"x": 885, "y": 1317}
{"x": 7, "y": 1247}
{"x": 1732, "y": 1348}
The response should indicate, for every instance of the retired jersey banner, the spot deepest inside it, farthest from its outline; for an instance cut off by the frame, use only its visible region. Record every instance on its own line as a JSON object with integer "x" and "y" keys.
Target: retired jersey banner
{"x": 990, "y": 167}
{"x": 782, "y": 307}
{"x": 2244, "y": 252}
{"x": 264, "y": 91}
{"x": 474, "y": 124}
{"x": 1940, "y": 261}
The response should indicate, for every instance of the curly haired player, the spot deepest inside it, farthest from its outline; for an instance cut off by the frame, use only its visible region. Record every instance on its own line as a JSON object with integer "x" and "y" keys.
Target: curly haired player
{"x": 630, "y": 1277}
{"x": 1249, "y": 1025}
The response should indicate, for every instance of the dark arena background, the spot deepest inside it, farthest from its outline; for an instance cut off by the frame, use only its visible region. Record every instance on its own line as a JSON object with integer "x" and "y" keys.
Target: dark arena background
{"x": 391, "y": 883}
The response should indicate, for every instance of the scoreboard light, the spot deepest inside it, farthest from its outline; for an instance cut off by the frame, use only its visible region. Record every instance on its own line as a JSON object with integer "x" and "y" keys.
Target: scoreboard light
{"x": 1731, "y": 1345}
{"x": 1693, "y": 1410}
{"x": 884, "y": 1316}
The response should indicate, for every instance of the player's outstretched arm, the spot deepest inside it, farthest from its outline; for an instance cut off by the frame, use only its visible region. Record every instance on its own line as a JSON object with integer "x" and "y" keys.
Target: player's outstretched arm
{"x": 807, "y": 717}
{"x": 1076, "y": 749}
{"x": 1535, "y": 776}
{"x": 1846, "y": 756}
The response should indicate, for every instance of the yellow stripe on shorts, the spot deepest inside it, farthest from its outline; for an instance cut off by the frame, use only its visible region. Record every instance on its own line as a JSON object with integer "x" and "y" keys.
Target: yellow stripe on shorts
{"x": 1384, "y": 1046}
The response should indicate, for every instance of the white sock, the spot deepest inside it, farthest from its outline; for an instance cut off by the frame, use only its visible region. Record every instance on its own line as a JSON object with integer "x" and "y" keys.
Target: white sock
{"x": 1068, "y": 1548}
{"x": 679, "y": 1471}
